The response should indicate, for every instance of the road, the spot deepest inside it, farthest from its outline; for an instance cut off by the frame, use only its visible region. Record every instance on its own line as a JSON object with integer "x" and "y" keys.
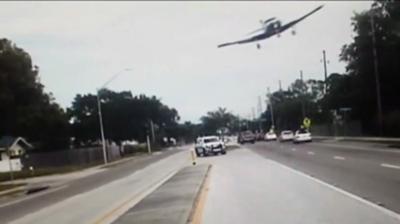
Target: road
{"x": 361, "y": 169}
{"x": 85, "y": 199}
{"x": 305, "y": 183}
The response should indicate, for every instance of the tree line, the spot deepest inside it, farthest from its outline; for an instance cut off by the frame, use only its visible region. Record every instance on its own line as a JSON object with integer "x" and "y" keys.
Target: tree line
{"x": 355, "y": 91}
{"x": 27, "y": 110}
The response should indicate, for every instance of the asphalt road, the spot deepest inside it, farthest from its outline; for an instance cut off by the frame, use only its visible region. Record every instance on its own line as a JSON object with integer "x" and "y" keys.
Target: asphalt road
{"x": 257, "y": 184}
{"x": 366, "y": 170}
{"x": 78, "y": 187}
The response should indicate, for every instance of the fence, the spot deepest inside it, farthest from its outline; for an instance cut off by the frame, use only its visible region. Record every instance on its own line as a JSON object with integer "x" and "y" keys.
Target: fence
{"x": 70, "y": 157}
{"x": 349, "y": 128}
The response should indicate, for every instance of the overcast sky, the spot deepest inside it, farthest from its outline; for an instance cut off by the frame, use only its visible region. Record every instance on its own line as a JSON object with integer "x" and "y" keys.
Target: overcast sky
{"x": 171, "y": 47}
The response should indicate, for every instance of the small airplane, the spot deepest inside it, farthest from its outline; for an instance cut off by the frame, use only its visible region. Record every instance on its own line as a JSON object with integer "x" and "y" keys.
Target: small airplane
{"x": 270, "y": 27}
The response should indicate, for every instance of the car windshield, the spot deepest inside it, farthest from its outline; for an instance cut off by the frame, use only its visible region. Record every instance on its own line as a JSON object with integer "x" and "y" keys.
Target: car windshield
{"x": 209, "y": 140}
{"x": 287, "y": 132}
{"x": 209, "y": 112}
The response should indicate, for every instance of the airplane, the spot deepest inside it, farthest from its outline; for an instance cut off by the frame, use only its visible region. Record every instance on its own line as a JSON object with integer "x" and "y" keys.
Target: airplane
{"x": 270, "y": 27}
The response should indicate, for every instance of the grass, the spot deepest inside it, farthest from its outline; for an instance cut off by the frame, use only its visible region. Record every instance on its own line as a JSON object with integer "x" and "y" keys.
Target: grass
{"x": 44, "y": 171}
{"x": 129, "y": 152}
{"x": 4, "y": 187}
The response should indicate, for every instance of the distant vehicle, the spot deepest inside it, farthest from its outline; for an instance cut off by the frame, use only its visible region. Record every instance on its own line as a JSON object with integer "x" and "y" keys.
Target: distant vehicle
{"x": 270, "y": 136}
{"x": 286, "y": 135}
{"x": 209, "y": 145}
{"x": 302, "y": 135}
{"x": 259, "y": 136}
{"x": 246, "y": 136}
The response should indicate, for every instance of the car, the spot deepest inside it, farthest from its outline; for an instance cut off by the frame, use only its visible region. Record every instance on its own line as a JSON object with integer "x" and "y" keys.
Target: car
{"x": 286, "y": 135}
{"x": 246, "y": 136}
{"x": 259, "y": 136}
{"x": 302, "y": 135}
{"x": 270, "y": 136}
{"x": 209, "y": 145}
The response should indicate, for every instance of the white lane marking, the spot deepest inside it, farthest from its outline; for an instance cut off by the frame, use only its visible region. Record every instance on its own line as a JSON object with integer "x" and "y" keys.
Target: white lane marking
{"x": 339, "y": 158}
{"x": 384, "y": 150}
{"x": 293, "y": 149}
{"x": 310, "y": 153}
{"x": 346, "y": 193}
{"x": 390, "y": 166}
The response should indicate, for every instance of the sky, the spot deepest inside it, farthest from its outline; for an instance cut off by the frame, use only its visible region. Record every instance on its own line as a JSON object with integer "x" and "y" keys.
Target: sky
{"x": 171, "y": 48}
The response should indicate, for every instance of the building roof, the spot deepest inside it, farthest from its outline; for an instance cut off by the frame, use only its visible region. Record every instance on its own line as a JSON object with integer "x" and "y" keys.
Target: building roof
{"x": 9, "y": 141}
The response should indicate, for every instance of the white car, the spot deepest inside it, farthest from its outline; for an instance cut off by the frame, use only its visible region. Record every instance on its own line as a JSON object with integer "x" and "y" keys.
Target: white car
{"x": 302, "y": 136}
{"x": 209, "y": 145}
{"x": 286, "y": 135}
{"x": 270, "y": 136}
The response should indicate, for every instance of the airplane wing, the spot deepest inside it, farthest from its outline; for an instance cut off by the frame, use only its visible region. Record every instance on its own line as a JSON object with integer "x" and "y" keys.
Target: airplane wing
{"x": 294, "y": 22}
{"x": 249, "y": 40}
{"x": 237, "y": 42}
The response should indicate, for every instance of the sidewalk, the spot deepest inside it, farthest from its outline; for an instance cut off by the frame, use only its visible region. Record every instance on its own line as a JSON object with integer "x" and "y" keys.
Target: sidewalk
{"x": 57, "y": 180}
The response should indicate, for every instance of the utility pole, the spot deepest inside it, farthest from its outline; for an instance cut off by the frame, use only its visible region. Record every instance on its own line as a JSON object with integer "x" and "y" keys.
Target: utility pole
{"x": 272, "y": 110}
{"x": 259, "y": 113}
{"x": 325, "y": 70}
{"x": 280, "y": 86}
{"x": 376, "y": 72}
{"x": 302, "y": 95}
{"x": 153, "y": 137}
{"x": 253, "y": 113}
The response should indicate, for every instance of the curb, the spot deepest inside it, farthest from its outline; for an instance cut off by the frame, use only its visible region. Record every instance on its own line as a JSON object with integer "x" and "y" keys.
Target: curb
{"x": 197, "y": 207}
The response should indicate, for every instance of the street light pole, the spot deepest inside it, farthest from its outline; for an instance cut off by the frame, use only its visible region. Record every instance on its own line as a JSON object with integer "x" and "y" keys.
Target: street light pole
{"x": 103, "y": 140}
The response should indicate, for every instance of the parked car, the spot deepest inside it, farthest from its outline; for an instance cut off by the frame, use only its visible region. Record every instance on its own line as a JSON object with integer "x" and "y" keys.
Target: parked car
{"x": 302, "y": 135}
{"x": 246, "y": 136}
{"x": 270, "y": 136}
{"x": 209, "y": 145}
{"x": 286, "y": 135}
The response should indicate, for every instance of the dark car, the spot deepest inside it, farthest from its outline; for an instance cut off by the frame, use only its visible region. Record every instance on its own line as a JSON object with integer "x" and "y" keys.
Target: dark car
{"x": 246, "y": 136}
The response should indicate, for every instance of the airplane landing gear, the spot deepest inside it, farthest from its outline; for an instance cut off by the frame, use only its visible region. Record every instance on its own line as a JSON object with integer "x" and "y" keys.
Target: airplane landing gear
{"x": 258, "y": 46}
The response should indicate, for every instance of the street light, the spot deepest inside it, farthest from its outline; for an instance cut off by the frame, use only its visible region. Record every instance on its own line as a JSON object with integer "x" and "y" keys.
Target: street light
{"x": 103, "y": 140}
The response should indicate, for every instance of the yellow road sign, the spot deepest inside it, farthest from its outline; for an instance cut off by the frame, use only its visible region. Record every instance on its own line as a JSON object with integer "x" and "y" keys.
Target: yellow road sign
{"x": 307, "y": 122}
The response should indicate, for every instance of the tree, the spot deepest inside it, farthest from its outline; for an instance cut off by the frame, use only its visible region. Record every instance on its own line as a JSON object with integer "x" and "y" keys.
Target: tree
{"x": 360, "y": 65}
{"x": 220, "y": 118}
{"x": 26, "y": 110}
{"x": 125, "y": 117}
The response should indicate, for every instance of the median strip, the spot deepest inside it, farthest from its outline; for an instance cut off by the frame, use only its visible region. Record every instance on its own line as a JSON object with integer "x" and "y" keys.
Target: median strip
{"x": 173, "y": 202}
{"x": 390, "y": 166}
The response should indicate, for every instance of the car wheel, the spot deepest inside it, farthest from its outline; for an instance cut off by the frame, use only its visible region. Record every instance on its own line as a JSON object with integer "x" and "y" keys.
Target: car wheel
{"x": 223, "y": 152}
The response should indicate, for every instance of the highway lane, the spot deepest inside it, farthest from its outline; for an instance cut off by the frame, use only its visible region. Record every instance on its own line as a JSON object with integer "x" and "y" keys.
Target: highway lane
{"x": 370, "y": 173}
{"x": 48, "y": 198}
{"x": 247, "y": 187}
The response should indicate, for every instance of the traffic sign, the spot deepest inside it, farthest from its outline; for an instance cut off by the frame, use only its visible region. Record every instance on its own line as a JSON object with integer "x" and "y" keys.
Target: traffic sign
{"x": 307, "y": 122}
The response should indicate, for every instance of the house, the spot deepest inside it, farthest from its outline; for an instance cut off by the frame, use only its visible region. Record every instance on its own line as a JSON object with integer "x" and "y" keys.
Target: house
{"x": 11, "y": 150}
